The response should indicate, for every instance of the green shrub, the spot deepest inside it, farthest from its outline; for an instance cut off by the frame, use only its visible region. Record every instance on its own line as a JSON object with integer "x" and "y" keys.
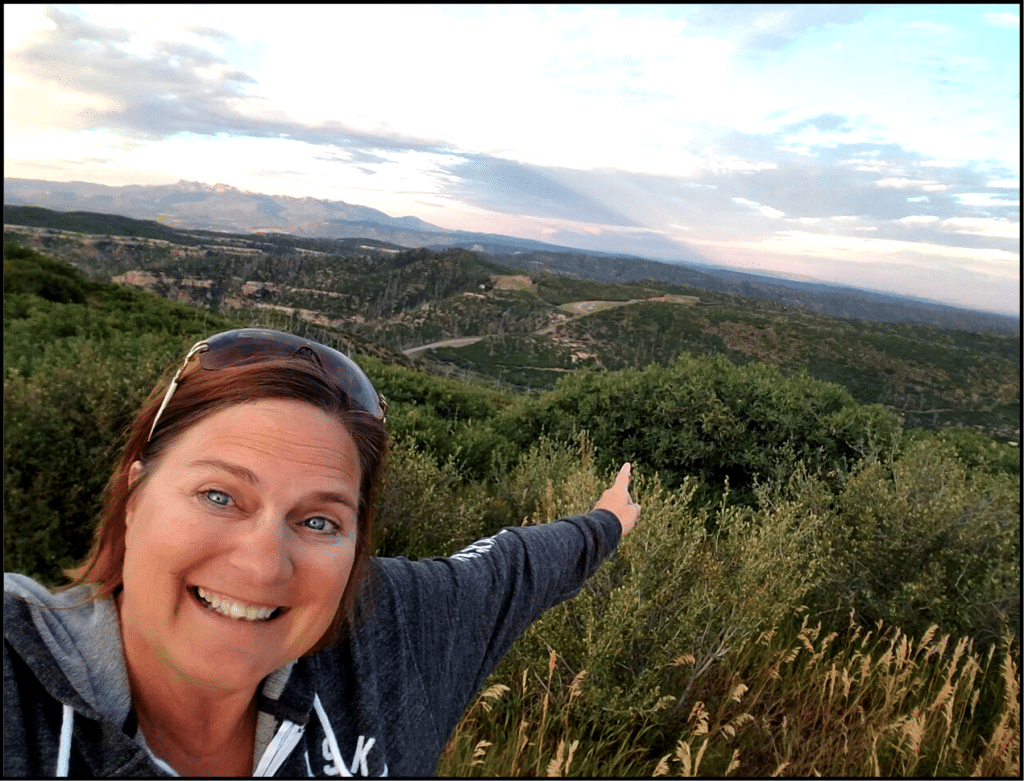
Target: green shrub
{"x": 28, "y": 272}
{"x": 690, "y": 652}
{"x": 76, "y": 369}
{"x": 921, "y": 539}
{"x": 674, "y": 588}
{"x": 974, "y": 449}
{"x": 63, "y": 427}
{"x": 426, "y": 510}
{"x": 445, "y": 418}
{"x": 707, "y": 419}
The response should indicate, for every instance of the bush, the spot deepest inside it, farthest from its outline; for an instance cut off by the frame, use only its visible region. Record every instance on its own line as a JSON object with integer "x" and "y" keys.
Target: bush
{"x": 975, "y": 450}
{"x": 63, "y": 427}
{"x": 707, "y": 419}
{"x": 921, "y": 540}
{"x": 28, "y": 272}
{"x": 691, "y": 651}
{"x": 449, "y": 420}
{"x": 675, "y": 587}
{"x": 426, "y": 510}
{"x": 76, "y": 370}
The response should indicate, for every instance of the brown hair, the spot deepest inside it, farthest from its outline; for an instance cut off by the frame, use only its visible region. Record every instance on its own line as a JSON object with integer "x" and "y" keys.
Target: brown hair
{"x": 201, "y": 393}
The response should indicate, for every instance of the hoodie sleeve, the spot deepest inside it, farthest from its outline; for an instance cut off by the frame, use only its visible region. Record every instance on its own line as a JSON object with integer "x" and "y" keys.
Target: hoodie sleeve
{"x": 461, "y": 614}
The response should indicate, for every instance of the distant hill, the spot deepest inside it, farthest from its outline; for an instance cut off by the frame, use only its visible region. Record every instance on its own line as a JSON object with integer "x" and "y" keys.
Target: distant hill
{"x": 831, "y": 300}
{"x": 191, "y": 213}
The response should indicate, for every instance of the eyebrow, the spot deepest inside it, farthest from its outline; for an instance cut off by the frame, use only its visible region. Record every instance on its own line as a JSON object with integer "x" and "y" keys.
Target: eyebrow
{"x": 250, "y": 477}
{"x": 237, "y": 470}
{"x": 330, "y": 497}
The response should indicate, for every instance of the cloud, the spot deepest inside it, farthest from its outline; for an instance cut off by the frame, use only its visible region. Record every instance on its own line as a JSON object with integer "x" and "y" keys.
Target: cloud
{"x": 213, "y": 33}
{"x": 763, "y": 28}
{"x": 823, "y": 122}
{"x": 880, "y": 185}
{"x": 980, "y": 233}
{"x": 170, "y": 87}
{"x": 871, "y": 252}
{"x": 902, "y": 183}
{"x": 1004, "y": 19}
{"x": 511, "y": 187}
{"x": 998, "y": 229}
{"x": 767, "y": 211}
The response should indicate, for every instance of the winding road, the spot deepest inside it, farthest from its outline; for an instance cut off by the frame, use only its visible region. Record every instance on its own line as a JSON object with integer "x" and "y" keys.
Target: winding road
{"x": 577, "y": 309}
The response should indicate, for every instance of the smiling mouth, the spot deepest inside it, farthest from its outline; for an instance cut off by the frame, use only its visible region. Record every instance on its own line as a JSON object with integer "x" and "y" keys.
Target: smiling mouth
{"x": 232, "y": 609}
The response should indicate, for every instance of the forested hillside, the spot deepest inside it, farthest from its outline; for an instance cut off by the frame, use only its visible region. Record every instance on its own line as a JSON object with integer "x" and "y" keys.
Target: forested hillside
{"x": 815, "y": 587}
{"x": 459, "y": 313}
{"x": 225, "y": 210}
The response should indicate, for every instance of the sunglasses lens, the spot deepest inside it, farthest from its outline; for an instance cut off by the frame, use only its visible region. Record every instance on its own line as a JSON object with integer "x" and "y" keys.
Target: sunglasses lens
{"x": 251, "y": 345}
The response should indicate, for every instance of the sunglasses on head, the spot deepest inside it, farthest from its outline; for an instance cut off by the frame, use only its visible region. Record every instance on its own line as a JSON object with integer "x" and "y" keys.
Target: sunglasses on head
{"x": 253, "y": 345}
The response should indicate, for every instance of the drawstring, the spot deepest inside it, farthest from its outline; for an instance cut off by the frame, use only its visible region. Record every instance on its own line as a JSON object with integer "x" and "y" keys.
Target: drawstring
{"x": 331, "y": 740}
{"x": 289, "y": 735}
{"x": 279, "y": 748}
{"x": 64, "y": 750}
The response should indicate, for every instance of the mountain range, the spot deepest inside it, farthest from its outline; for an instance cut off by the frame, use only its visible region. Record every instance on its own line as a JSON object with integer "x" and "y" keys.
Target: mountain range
{"x": 221, "y": 207}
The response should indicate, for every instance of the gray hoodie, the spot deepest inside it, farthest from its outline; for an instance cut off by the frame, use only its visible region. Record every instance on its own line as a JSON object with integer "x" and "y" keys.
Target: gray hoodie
{"x": 384, "y": 701}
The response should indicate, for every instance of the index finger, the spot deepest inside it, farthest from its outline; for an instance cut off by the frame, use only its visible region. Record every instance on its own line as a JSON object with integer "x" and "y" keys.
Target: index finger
{"x": 622, "y": 478}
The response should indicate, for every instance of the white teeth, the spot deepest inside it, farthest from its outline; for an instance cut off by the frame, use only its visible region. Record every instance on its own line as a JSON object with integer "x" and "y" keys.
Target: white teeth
{"x": 232, "y": 609}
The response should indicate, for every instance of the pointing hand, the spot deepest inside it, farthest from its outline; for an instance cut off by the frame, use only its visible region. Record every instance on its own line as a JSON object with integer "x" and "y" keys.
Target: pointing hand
{"x": 618, "y": 501}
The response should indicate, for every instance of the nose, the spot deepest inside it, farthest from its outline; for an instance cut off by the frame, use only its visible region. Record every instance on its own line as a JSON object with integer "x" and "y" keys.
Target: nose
{"x": 262, "y": 552}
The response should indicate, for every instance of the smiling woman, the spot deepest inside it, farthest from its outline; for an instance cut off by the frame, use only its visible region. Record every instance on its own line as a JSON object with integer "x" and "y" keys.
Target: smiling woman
{"x": 230, "y": 619}
{"x": 238, "y": 549}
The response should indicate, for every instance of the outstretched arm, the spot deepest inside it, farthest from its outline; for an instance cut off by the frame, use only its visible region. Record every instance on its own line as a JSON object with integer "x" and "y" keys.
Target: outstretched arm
{"x": 618, "y": 501}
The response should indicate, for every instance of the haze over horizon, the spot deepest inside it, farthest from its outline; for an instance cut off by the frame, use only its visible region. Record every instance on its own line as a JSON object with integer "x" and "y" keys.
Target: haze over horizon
{"x": 871, "y": 146}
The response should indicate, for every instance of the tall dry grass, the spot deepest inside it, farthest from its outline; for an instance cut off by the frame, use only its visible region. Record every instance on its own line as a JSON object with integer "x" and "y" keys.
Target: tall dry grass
{"x": 790, "y": 701}
{"x": 691, "y": 653}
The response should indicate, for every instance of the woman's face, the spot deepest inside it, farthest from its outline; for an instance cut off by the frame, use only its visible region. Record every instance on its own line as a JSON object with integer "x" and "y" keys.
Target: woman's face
{"x": 239, "y": 545}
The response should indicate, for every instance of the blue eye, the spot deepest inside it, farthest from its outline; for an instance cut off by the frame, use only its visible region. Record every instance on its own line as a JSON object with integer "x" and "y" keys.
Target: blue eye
{"x": 217, "y": 497}
{"x": 320, "y": 524}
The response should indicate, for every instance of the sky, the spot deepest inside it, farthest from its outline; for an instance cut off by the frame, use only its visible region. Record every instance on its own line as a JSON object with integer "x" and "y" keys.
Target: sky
{"x": 869, "y": 145}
